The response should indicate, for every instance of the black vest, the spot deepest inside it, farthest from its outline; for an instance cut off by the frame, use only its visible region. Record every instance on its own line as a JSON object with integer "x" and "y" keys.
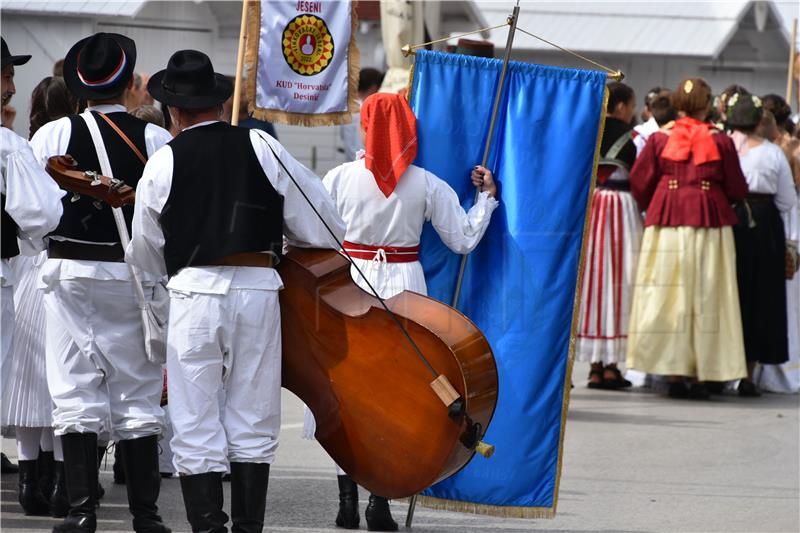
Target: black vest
{"x": 82, "y": 220}
{"x": 8, "y": 233}
{"x": 221, "y": 202}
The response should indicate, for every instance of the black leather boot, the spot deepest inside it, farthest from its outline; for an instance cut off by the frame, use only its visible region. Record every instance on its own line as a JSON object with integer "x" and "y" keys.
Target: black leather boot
{"x": 202, "y": 496}
{"x": 248, "y": 496}
{"x": 378, "y": 515}
{"x": 45, "y": 465}
{"x": 101, "y": 452}
{"x": 59, "y": 502}
{"x": 80, "y": 471}
{"x": 119, "y": 471}
{"x": 7, "y": 466}
{"x": 348, "y": 517}
{"x": 30, "y": 496}
{"x": 140, "y": 461}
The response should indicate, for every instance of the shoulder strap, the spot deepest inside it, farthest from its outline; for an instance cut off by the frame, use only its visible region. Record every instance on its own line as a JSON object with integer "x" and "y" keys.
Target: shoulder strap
{"x": 124, "y": 137}
{"x": 119, "y": 218}
{"x": 616, "y": 148}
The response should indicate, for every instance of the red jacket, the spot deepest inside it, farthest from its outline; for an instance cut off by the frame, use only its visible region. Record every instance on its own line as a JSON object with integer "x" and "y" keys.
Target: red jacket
{"x": 680, "y": 193}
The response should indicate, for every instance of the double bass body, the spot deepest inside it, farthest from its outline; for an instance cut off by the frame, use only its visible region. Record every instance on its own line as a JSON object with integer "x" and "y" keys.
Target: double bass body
{"x": 370, "y": 393}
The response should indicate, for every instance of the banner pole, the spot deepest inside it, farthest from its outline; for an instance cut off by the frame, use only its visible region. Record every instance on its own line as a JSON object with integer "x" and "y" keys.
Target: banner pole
{"x": 239, "y": 67}
{"x": 792, "y": 59}
{"x": 497, "y": 97}
{"x": 412, "y": 504}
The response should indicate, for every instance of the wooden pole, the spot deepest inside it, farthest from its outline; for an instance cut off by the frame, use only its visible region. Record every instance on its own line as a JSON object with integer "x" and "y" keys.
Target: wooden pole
{"x": 239, "y": 67}
{"x": 792, "y": 59}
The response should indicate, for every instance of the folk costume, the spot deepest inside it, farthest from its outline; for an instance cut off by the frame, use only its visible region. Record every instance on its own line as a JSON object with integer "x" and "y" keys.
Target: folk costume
{"x": 384, "y": 199}
{"x": 31, "y": 208}
{"x": 96, "y": 361}
{"x": 685, "y": 318}
{"x": 211, "y": 211}
{"x": 642, "y": 132}
{"x": 615, "y": 233}
{"x": 761, "y": 251}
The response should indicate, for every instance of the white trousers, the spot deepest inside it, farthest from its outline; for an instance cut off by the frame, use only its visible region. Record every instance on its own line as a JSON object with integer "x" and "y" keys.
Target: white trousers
{"x": 224, "y": 378}
{"x": 97, "y": 369}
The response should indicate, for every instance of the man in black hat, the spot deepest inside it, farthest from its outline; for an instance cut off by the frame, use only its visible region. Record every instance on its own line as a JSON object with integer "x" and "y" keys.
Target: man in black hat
{"x": 95, "y": 347}
{"x": 211, "y": 211}
{"x": 7, "y": 86}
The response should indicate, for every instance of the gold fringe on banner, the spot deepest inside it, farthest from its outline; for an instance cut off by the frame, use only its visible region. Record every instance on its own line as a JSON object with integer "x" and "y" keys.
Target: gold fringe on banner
{"x": 299, "y": 119}
{"x": 543, "y": 512}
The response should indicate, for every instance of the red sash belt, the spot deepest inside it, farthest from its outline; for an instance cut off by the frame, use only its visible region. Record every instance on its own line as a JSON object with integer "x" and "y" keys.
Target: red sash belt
{"x": 391, "y": 254}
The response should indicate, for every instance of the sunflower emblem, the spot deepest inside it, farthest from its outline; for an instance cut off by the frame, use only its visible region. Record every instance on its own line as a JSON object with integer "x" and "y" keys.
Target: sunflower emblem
{"x": 307, "y": 45}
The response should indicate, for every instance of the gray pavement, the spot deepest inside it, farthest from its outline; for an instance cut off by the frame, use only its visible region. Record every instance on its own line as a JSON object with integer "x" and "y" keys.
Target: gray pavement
{"x": 633, "y": 462}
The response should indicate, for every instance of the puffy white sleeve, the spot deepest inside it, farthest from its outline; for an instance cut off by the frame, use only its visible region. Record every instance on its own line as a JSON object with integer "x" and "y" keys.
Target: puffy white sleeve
{"x": 51, "y": 139}
{"x": 786, "y": 195}
{"x": 460, "y": 231}
{"x": 146, "y": 249}
{"x": 154, "y": 138}
{"x": 33, "y": 199}
{"x": 302, "y": 226}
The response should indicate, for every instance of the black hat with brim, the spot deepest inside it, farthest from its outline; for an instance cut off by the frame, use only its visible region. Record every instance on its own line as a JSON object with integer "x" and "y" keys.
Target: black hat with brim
{"x": 8, "y": 59}
{"x": 100, "y": 66}
{"x": 189, "y": 82}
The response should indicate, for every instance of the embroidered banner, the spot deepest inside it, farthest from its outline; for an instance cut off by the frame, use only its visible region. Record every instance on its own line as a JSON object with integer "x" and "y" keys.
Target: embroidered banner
{"x": 520, "y": 282}
{"x": 302, "y": 61}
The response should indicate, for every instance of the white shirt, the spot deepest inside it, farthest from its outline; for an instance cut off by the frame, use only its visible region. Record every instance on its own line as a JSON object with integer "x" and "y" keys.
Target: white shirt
{"x": 33, "y": 199}
{"x": 53, "y": 139}
{"x": 375, "y": 220}
{"x": 767, "y": 172}
{"x": 644, "y": 131}
{"x": 302, "y": 228}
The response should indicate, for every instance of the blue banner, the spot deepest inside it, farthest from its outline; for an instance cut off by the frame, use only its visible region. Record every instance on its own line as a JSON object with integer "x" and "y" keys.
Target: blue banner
{"x": 519, "y": 285}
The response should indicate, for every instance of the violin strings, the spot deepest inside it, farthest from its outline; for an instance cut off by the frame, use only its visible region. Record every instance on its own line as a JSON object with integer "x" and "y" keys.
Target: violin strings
{"x": 350, "y": 259}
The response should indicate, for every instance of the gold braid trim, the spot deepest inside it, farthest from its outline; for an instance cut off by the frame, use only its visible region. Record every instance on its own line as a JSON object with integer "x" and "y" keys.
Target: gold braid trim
{"x": 482, "y": 509}
{"x": 299, "y": 119}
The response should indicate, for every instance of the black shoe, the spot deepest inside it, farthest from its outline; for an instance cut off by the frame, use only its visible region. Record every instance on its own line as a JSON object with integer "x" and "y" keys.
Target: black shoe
{"x": 119, "y": 471}
{"x": 715, "y": 387}
{"x": 30, "y": 496}
{"x": 248, "y": 496}
{"x": 202, "y": 496}
{"x": 348, "y": 517}
{"x": 140, "y": 460}
{"x": 45, "y": 465}
{"x": 378, "y": 515}
{"x": 80, "y": 471}
{"x": 59, "y": 502}
{"x": 678, "y": 389}
{"x": 6, "y": 466}
{"x": 698, "y": 391}
{"x": 748, "y": 389}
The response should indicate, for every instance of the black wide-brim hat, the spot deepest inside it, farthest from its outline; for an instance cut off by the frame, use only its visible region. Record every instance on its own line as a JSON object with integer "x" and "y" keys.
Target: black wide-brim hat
{"x": 8, "y": 59}
{"x": 100, "y": 66}
{"x": 189, "y": 82}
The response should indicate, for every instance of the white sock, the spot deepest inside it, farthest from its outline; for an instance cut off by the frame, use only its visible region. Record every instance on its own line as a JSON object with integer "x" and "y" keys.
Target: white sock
{"x": 28, "y": 443}
{"x": 46, "y": 442}
{"x": 58, "y": 451}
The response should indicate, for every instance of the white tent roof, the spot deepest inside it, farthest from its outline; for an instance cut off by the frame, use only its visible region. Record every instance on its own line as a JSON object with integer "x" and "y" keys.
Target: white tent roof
{"x": 109, "y": 8}
{"x": 698, "y": 28}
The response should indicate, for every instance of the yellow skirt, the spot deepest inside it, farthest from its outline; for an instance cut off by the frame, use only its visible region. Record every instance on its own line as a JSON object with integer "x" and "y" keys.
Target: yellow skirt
{"x": 685, "y": 317}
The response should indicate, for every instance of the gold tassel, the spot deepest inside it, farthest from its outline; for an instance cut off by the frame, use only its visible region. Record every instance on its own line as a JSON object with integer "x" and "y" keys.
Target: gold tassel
{"x": 488, "y": 510}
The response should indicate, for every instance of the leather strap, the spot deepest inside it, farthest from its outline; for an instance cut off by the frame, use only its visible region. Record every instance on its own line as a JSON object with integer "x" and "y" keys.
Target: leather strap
{"x": 85, "y": 252}
{"x": 245, "y": 259}
{"x": 125, "y": 138}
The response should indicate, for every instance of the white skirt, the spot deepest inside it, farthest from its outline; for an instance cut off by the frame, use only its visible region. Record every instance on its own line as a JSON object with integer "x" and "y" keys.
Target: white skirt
{"x": 612, "y": 249}
{"x": 26, "y": 398}
{"x": 388, "y": 279}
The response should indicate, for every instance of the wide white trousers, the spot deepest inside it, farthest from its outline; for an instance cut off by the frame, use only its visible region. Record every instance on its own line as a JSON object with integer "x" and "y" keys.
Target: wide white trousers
{"x": 97, "y": 369}
{"x": 224, "y": 378}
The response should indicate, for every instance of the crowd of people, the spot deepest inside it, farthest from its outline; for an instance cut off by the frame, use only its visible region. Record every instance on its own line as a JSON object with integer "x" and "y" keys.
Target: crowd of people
{"x": 690, "y": 273}
{"x": 689, "y": 267}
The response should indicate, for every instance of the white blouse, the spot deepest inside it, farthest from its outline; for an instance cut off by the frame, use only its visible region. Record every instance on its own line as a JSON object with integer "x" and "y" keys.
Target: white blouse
{"x": 767, "y": 172}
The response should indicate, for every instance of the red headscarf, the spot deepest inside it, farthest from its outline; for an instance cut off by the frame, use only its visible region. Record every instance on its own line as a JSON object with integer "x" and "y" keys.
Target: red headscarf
{"x": 692, "y": 137}
{"x": 391, "y": 138}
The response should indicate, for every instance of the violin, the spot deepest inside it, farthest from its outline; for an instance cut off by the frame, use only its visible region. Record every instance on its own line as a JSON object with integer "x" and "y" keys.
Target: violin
{"x": 378, "y": 414}
{"x": 64, "y": 171}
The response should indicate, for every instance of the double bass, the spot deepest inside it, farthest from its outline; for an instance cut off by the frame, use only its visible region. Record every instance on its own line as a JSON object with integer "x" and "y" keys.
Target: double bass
{"x": 402, "y": 390}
